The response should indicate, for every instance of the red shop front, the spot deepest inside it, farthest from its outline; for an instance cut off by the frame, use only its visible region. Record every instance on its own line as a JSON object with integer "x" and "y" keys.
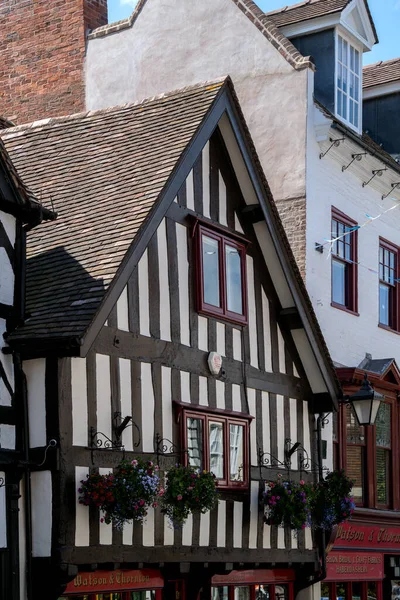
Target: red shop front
{"x": 258, "y": 584}
{"x": 146, "y": 584}
{"x": 362, "y": 563}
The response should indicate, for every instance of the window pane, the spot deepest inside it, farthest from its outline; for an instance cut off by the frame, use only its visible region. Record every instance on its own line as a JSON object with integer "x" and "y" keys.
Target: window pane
{"x": 281, "y": 592}
{"x": 216, "y": 449}
{"x": 356, "y": 589}
{"x": 242, "y": 593}
{"x": 357, "y": 61}
{"x": 355, "y": 433}
{"x": 383, "y": 426}
{"x": 195, "y": 442}
{"x": 371, "y": 590}
{"x": 384, "y": 299}
{"x": 210, "y": 249}
{"x": 236, "y": 433}
{"x": 382, "y": 475}
{"x": 339, "y": 282}
{"x": 325, "y": 592}
{"x": 219, "y": 593}
{"x": 355, "y": 470}
{"x": 233, "y": 280}
{"x": 341, "y": 591}
{"x": 262, "y": 592}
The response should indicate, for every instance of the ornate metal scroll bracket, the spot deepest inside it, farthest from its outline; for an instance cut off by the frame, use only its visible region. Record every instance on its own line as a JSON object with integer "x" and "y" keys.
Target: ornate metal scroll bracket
{"x": 305, "y": 464}
{"x": 335, "y": 144}
{"x": 354, "y": 157}
{"x": 375, "y": 173}
{"x": 393, "y": 187}
{"x": 164, "y": 447}
{"x": 101, "y": 441}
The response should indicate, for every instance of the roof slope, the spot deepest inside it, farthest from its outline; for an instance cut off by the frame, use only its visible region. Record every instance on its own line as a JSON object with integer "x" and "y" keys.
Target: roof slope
{"x": 310, "y": 9}
{"x": 381, "y": 72}
{"x": 249, "y": 8}
{"x": 104, "y": 171}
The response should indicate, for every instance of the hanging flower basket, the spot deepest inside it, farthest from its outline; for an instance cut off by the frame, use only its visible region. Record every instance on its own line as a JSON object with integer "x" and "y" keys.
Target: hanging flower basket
{"x": 331, "y": 502}
{"x": 188, "y": 490}
{"x": 286, "y": 504}
{"x": 124, "y": 495}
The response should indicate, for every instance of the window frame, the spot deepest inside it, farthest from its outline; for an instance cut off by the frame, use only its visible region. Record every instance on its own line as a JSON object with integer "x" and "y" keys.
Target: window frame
{"x": 226, "y": 418}
{"x": 351, "y": 282}
{"x": 224, "y": 239}
{"x": 394, "y": 311}
{"x": 346, "y": 120}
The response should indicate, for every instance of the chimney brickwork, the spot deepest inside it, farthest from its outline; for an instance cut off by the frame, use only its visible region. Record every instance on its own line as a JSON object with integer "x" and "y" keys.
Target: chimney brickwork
{"x": 42, "y": 49}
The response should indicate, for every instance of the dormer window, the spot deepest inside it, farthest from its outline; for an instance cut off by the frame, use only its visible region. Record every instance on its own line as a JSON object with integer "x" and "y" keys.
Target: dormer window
{"x": 348, "y": 82}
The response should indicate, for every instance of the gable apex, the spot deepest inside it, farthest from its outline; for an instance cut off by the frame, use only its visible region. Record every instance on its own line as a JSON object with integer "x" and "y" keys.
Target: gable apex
{"x": 357, "y": 19}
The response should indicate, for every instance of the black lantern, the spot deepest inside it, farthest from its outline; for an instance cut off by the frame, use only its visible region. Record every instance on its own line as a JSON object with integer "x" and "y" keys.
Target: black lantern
{"x": 365, "y": 403}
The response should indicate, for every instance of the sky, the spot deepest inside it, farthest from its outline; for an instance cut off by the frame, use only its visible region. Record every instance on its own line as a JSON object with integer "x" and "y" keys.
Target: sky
{"x": 386, "y": 15}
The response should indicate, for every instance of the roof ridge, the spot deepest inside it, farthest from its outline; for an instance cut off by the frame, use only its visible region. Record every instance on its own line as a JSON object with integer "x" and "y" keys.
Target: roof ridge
{"x": 290, "y": 7}
{"x": 382, "y": 63}
{"x": 11, "y": 131}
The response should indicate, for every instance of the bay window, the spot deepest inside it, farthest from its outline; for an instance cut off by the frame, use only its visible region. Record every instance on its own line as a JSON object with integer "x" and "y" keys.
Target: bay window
{"x": 348, "y": 83}
{"x": 217, "y": 443}
{"x": 221, "y": 275}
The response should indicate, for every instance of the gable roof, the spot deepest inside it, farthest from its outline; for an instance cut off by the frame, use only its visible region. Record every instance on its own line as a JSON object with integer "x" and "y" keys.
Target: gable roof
{"x": 249, "y": 8}
{"x": 21, "y": 201}
{"x": 312, "y": 9}
{"x": 381, "y": 72}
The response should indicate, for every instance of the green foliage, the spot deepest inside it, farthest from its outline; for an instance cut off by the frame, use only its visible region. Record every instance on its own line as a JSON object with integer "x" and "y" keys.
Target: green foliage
{"x": 331, "y": 503}
{"x": 286, "y": 504}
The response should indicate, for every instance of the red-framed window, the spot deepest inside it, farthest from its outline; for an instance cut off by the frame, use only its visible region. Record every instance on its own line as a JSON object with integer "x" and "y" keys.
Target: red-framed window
{"x": 272, "y": 591}
{"x": 344, "y": 262}
{"x": 388, "y": 285}
{"x": 351, "y": 590}
{"x": 132, "y": 595}
{"x": 218, "y": 443}
{"x": 221, "y": 274}
{"x": 369, "y": 455}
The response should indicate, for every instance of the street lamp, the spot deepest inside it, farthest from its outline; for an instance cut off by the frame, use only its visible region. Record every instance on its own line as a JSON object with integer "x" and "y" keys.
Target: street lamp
{"x": 365, "y": 403}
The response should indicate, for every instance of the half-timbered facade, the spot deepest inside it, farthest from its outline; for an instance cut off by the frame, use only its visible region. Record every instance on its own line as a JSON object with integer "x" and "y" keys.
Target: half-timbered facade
{"x": 19, "y": 211}
{"x": 167, "y": 248}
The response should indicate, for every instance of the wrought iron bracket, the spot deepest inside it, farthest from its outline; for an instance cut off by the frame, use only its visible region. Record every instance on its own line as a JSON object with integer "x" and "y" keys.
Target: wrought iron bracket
{"x": 164, "y": 447}
{"x": 394, "y": 186}
{"x": 375, "y": 173}
{"x": 335, "y": 144}
{"x": 354, "y": 157}
{"x": 101, "y": 441}
{"x": 266, "y": 460}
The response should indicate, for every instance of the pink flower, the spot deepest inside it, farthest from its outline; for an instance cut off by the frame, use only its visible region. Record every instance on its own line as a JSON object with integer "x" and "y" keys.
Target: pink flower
{"x": 161, "y": 492}
{"x": 190, "y": 488}
{"x": 134, "y": 462}
{"x": 156, "y": 468}
{"x": 303, "y": 526}
{"x": 101, "y": 520}
{"x": 179, "y": 497}
{"x": 141, "y": 502}
{"x": 301, "y": 482}
{"x": 279, "y": 475}
{"x": 150, "y": 463}
{"x": 155, "y": 504}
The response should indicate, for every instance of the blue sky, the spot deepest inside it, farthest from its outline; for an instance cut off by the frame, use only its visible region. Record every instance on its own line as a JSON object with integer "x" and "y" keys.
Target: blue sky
{"x": 386, "y": 14}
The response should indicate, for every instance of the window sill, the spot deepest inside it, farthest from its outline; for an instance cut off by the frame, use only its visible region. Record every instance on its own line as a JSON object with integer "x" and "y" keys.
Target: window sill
{"x": 387, "y": 328}
{"x": 345, "y": 309}
{"x": 240, "y": 320}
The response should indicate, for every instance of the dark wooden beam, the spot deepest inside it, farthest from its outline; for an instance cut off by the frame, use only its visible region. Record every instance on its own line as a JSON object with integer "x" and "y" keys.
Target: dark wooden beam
{"x": 321, "y": 403}
{"x": 290, "y": 319}
{"x": 253, "y": 213}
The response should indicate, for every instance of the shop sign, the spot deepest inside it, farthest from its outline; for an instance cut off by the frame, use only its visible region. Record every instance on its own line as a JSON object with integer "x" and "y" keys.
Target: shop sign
{"x": 378, "y": 537}
{"x": 353, "y": 566}
{"x": 255, "y": 576}
{"x": 113, "y": 581}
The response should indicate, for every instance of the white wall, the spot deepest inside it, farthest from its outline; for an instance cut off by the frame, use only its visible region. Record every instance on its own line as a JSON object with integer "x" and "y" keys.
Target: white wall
{"x": 175, "y": 44}
{"x": 348, "y": 337}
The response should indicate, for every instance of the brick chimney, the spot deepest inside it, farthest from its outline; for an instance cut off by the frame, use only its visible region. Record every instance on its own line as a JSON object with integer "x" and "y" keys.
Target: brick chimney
{"x": 42, "y": 50}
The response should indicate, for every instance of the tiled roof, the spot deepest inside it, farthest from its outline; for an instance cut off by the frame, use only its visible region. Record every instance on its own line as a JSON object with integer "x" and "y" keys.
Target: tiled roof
{"x": 104, "y": 171}
{"x": 381, "y": 73}
{"x": 26, "y": 200}
{"x": 304, "y": 11}
{"x": 249, "y": 8}
{"x": 311, "y": 9}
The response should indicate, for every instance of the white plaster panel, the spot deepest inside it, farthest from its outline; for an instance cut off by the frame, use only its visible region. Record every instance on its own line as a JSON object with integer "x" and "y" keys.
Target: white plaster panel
{"x": 237, "y": 344}
{"x": 79, "y": 402}
{"x": 220, "y": 393}
{"x": 251, "y": 397}
{"x": 126, "y": 400}
{"x": 221, "y": 524}
{"x": 183, "y": 275}
{"x": 6, "y": 279}
{"x": 81, "y": 511}
{"x": 190, "y": 191}
{"x": 105, "y": 531}
{"x": 267, "y": 536}
{"x": 127, "y": 534}
{"x": 22, "y": 541}
{"x": 237, "y": 524}
{"x": 223, "y": 218}
{"x": 281, "y": 352}
{"x": 185, "y": 386}
{"x": 203, "y": 391}
{"x": 221, "y": 338}
{"x": 254, "y": 508}
{"x": 148, "y": 408}
{"x": 7, "y": 437}
{"x": 143, "y": 276}
{"x": 3, "y": 515}
{"x": 280, "y": 427}
{"x": 165, "y": 308}
{"x": 161, "y": 52}
{"x": 42, "y": 516}
{"x": 252, "y": 312}
{"x": 206, "y": 180}
{"x": 103, "y": 388}
{"x": 187, "y": 531}
{"x": 168, "y": 533}
{"x": 204, "y": 529}
{"x": 281, "y": 538}
{"x": 122, "y": 311}
{"x": 9, "y": 223}
{"x": 306, "y": 428}
{"x": 267, "y": 333}
{"x": 35, "y": 371}
{"x": 236, "y": 398}
{"x": 166, "y": 402}
{"x": 203, "y": 333}
{"x": 266, "y": 426}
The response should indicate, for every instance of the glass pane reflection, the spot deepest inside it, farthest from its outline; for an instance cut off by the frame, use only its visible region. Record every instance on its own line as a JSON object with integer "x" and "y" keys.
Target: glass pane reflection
{"x": 236, "y": 452}
{"x": 242, "y": 593}
{"x": 210, "y": 250}
{"x": 339, "y": 282}
{"x": 219, "y": 593}
{"x": 233, "y": 280}
{"x": 195, "y": 442}
{"x": 216, "y": 449}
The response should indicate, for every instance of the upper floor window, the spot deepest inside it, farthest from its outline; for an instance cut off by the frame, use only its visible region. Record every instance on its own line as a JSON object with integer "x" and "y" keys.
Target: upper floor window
{"x": 219, "y": 444}
{"x": 348, "y": 83}
{"x": 388, "y": 285}
{"x": 344, "y": 262}
{"x": 221, "y": 275}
